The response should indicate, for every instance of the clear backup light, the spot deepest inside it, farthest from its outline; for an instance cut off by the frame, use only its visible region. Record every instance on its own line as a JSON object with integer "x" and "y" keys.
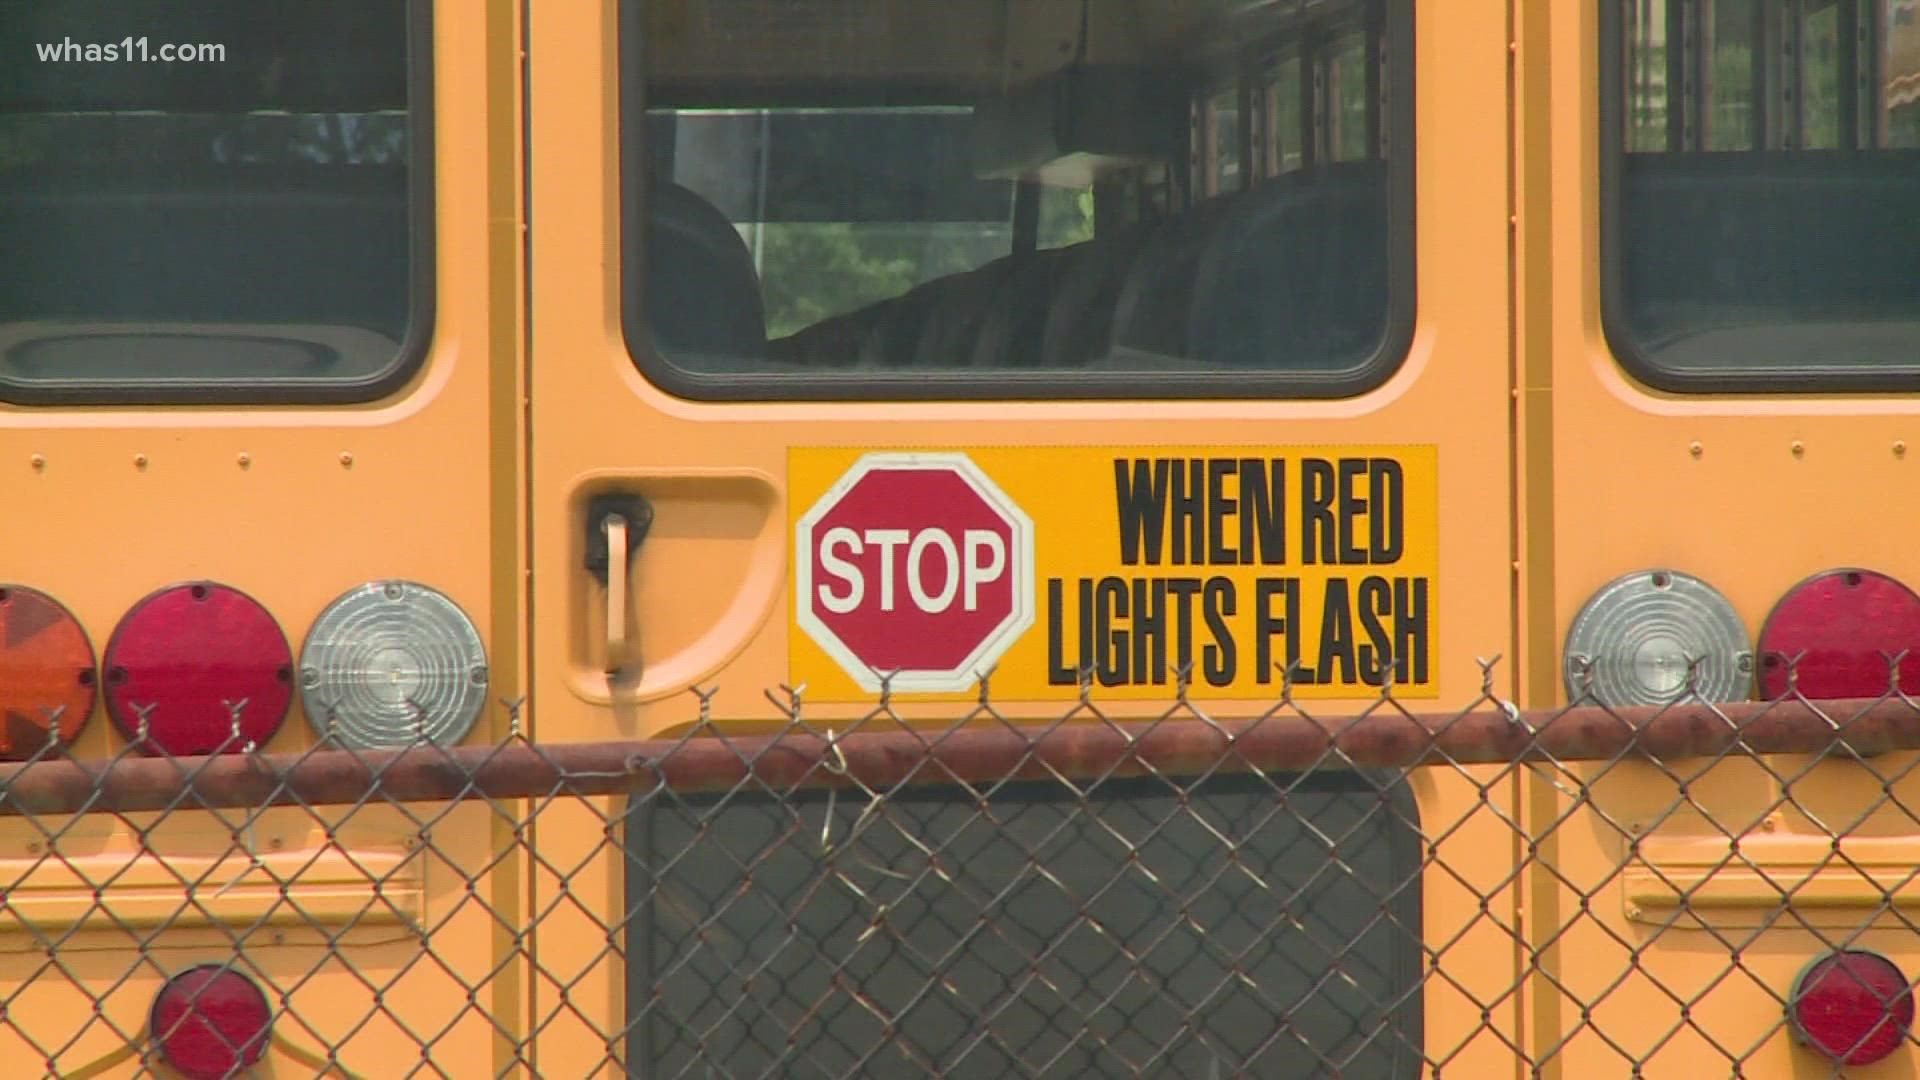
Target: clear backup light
{"x": 1636, "y": 638}
{"x": 1855, "y": 1007}
{"x": 210, "y": 1022}
{"x": 391, "y": 663}
{"x": 189, "y": 656}
{"x": 1836, "y": 632}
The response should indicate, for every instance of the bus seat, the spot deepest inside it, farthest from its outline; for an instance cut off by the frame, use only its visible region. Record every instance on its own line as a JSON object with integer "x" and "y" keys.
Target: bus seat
{"x": 1015, "y": 321}
{"x": 702, "y": 293}
{"x": 263, "y": 251}
{"x": 831, "y": 342}
{"x": 893, "y": 334}
{"x": 1296, "y": 277}
{"x": 953, "y": 323}
{"x": 1079, "y": 322}
{"x": 1150, "y": 316}
{"x": 887, "y": 333}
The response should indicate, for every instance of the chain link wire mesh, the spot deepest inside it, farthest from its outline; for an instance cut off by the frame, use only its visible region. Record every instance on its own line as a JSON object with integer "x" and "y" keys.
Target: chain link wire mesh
{"x": 1583, "y": 891}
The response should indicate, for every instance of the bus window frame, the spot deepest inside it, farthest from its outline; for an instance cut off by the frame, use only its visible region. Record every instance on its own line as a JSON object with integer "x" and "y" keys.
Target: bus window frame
{"x": 422, "y": 279}
{"x": 1012, "y": 384}
{"x": 1616, "y": 329}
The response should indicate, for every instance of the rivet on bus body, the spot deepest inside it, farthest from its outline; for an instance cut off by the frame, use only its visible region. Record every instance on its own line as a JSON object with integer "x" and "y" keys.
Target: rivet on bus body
{"x": 1769, "y": 824}
{"x": 244, "y": 460}
{"x": 139, "y": 461}
{"x": 38, "y": 461}
{"x": 1899, "y": 448}
{"x": 1799, "y": 448}
{"x": 1696, "y": 449}
{"x": 346, "y": 460}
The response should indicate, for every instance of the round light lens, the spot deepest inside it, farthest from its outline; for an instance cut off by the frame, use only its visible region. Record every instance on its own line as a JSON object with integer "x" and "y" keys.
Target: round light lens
{"x": 189, "y": 655}
{"x": 1844, "y": 626}
{"x": 210, "y": 1022}
{"x": 1637, "y": 638}
{"x": 390, "y": 664}
{"x": 1854, "y": 1007}
{"x": 46, "y": 669}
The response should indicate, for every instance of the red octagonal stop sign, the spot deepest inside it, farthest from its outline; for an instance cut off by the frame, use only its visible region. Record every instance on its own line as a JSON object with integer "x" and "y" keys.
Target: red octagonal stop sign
{"x": 915, "y": 565}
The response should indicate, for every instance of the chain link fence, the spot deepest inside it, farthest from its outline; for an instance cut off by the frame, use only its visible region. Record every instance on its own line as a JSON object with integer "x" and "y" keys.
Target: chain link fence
{"x": 1582, "y": 891}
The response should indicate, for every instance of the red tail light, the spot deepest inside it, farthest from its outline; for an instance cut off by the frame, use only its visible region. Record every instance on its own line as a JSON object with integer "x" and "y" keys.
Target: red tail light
{"x": 189, "y": 655}
{"x": 1843, "y": 625}
{"x": 210, "y": 1022}
{"x": 1854, "y": 1007}
{"x": 46, "y": 667}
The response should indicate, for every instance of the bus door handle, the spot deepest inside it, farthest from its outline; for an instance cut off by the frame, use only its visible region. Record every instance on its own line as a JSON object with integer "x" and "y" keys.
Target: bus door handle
{"x": 616, "y": 524}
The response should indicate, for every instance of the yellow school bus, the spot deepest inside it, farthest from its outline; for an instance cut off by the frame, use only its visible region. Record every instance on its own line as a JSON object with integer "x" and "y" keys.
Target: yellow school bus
{"x": 398, "y": 393}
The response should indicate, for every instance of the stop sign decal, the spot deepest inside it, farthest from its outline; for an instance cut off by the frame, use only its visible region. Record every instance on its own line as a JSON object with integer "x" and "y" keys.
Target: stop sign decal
{"x": 914, "y": 565}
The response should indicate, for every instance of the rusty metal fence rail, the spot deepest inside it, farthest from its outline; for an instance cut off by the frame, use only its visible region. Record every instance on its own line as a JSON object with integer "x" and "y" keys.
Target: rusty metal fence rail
{"x": 1583, "y": 891}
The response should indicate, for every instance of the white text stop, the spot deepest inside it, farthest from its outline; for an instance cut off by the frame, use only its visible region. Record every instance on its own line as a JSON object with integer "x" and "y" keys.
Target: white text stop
{"x": 980, "y": 557}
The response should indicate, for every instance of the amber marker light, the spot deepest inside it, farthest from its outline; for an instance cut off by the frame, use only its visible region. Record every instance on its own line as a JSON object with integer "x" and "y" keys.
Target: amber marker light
{"x": 46, "y": 671}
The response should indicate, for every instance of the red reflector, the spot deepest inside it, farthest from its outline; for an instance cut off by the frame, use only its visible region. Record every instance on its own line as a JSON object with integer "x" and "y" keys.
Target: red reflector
{"x": 1854, "y": 1007}
{"x": 1844, "y": 625}
{"x": 46, "y": 667}
{"x": 210, "y": 1022}
{"x": 186, "y": 654}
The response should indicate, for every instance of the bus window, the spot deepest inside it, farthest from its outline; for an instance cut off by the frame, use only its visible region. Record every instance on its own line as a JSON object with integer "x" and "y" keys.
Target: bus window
{"x": 1727, "y": 87}
{"x": 220, "y": 201}
{"x": 1221, "y": 170}
{"x": 1066, "y": 216}
{"x": 1759, "y": 188}
{"x": 1349, "y": 74}
{"x": 1285, "y": 146}
{"x": 880, "y": 199}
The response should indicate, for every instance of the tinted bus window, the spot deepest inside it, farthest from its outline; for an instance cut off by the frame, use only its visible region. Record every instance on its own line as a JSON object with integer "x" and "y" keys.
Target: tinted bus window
{"x": 951, "y": 200}
{"x": 1761, "y": 189}
{"x": 218, "y": 200}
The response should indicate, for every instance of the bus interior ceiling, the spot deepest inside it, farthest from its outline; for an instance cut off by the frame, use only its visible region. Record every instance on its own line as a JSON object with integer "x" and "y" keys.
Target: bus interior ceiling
{"x": 1100, "y": 184}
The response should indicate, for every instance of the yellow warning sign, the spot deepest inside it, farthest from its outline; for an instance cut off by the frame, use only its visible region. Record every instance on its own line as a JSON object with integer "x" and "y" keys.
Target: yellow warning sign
{"x": 1119, "y": 565}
